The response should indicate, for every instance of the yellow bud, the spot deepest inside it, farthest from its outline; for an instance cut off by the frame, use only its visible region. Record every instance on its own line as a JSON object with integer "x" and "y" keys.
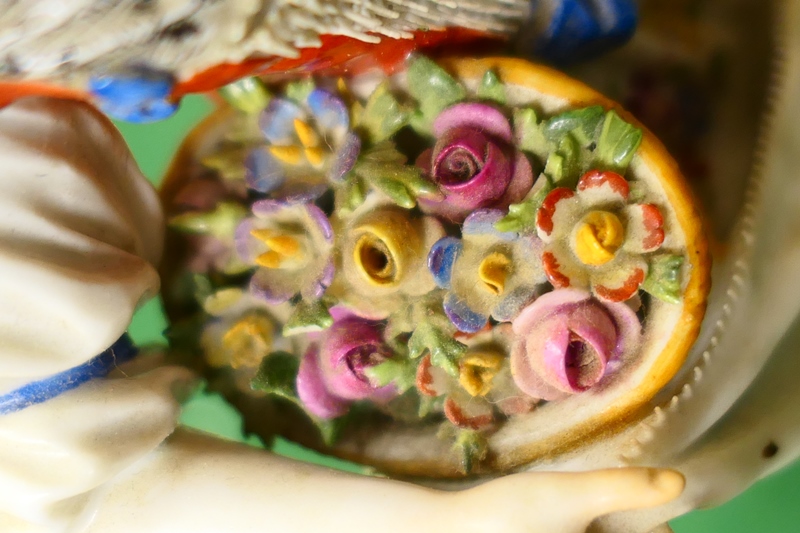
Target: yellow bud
{"x": 598, "y": 237}
{"x": 308, "y": 137}
{"x": 270, "y": 259}
{"x": 248, "y": 341}
{"x": 291, "y": 155}
{"x": 477, "y": 371}
{"x": 385, "y": 244}
{"x": 315, "y": 156}
{"x": 493, "y": 271}
{"x": 283, "y": 249}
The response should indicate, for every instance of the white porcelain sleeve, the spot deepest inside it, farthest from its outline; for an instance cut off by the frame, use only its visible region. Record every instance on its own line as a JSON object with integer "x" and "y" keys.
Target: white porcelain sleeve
{"x": 80, "y": 231}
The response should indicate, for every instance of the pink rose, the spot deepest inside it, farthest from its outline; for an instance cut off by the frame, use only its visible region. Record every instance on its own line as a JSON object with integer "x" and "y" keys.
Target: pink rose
{"x": 567, "y": 340}
{"x": 474, "y": 162}
{"x": 333, "y": 372}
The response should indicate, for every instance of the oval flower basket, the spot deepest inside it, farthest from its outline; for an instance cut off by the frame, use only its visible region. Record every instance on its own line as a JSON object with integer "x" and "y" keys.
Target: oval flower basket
{"x": 467, "y": 268}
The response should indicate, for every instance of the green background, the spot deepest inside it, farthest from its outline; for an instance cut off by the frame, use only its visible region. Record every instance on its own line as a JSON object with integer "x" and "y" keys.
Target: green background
{"x": 770, "y": 506}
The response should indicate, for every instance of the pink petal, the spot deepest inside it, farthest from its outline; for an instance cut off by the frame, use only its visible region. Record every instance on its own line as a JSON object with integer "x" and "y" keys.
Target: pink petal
{"x": 521, "y": 183}
{"x": 629, "y": 329}
{"x": 339, "y": 344}
{"x": 481, "y": 117}
{"x": 546, "y": 305}
{"x": 527, "y": 379}
{"x": 312, "y": 391}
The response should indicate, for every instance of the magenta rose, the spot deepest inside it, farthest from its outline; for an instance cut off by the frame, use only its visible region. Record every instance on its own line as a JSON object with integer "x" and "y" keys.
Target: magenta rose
{"x": 474, "y": 162}
{"x": 567, "y": 341}
{"x": 333, "y": 371}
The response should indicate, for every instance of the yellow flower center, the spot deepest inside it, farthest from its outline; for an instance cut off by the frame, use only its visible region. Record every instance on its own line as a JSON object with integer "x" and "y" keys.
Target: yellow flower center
{"x": 248, "y": 341}
{"x": 477, "y": 370}
{"x": 493, "y": 271}
{"x": 285, "y": 251}
{"x": 385, "y": 244}
{"x": 599, "y": 236}
{"x": 312, "y": 150}
{"x": 375, "y": 260}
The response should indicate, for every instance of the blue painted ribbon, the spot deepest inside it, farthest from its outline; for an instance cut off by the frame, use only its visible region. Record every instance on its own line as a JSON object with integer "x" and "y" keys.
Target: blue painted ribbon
{"x": 48, "y": 388}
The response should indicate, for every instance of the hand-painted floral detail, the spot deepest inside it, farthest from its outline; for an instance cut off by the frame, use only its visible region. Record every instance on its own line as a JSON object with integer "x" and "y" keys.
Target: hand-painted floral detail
{"x": 309, "y": 144}
{"x": 333, "y": 372}
{"x": 483, "y": 382}
{"x": 383, "y": 254}
{"x": 212, "y": 233}
{"x": 567, "y": 342}
{"x": 242, "y": 333}
{"x": 248, "y": 95}
{"x": 488, "y": 273}
{"x": 474, "y": 162}
{"x": 291, "y": 243}
{"x": 595, "y": 238}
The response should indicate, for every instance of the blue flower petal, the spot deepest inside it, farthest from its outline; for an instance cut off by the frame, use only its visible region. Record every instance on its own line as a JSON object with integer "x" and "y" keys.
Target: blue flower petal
{"x": 462, "y": 317}
{"x": 277, "y": 121}
{"x": 441, "y": 259}
{"x": 329, "y": 111}
{"x": 346, "y": 157}
{"x": 482, "y": 222}
{"x": 262, "y": 172}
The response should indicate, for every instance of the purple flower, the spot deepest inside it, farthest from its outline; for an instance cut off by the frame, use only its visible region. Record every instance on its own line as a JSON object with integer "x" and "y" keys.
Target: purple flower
{"x": 333, "y": 371}
{"x": 488, "y": 273}
{"x": 309, "y": 144}
{"x": 474, "y": 162}
{"x": 291, "y": 242}
{"x": 567, "y": 341}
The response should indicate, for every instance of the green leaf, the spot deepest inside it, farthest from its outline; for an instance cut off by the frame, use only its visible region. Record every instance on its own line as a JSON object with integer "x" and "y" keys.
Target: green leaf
{"x": 248, "y": 95}
{"x": 571, "y": 166}
{"x": 584, "y": 122}
{"x": 384, "y": 169}
{"x": 202, "y": 287}
{"x": 221, "y": 222}
{"x": 277, "y": 375}
{"x": 382, "y": 115}
{"x": 308, "y": 317}
{"x": 300, "y": 90}
{"x": 664, "y": 278}
{"x": 434, "y": 90}
{"x": 439, "y": 342}
{"x": 352, "y": 193}
{"x": 472, "y": 446}
{"x": 529, "y": 134}
{"x": 617, "y": 144}
{"x": 331, "y": 430}
{"x": 521, "y": 217}
{"x": 491, "y": 88}
{"x": 397, "y": 370}
{"x": 428, "y": 405}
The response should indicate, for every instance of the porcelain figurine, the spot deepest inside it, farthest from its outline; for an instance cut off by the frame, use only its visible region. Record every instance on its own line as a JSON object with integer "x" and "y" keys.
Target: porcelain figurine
{"x": 81, "y": 236}
{"x": 136, "y": 58}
